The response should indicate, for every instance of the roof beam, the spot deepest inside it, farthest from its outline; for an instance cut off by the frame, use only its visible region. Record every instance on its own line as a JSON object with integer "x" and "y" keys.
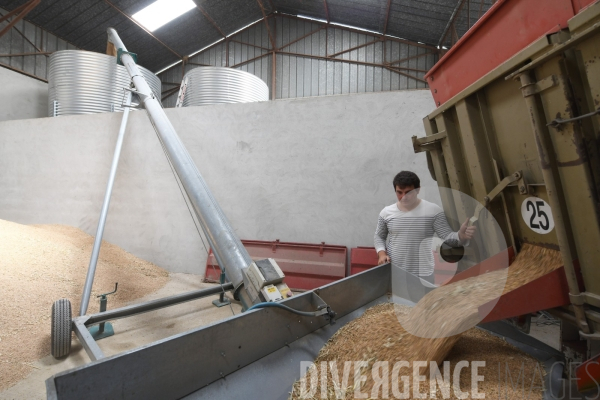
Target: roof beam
{"x": 326, "y": 10}
{"x": 18, "y": 10}
{"x": 367, "y": 33}
{"x": 249, "y": 44}
{"x": 145, "y": 30}
{"x": 19, "y": 13}
{"x": 303, "y": 37}
{"x": 354, "y": 48}
{"x": 25, "y": 37}
{"x": 44, "y": 53}
{"x": 220, "y": 41}
{"x": 387, "y": 16}
{"x": 391, "y": 63}
{"x": 212, "y": 21}
{"x": 251, "y": 59}
{"x": 169, "y": 93}
{"x": 468, "y": 14}
{"x": 393, "y": 69}
{"x": 451, "y": 21}
{"x": 262, "y": 9}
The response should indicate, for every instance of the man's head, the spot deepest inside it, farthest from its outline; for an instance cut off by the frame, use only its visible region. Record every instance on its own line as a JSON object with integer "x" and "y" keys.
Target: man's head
{"x": 406, "y": 185}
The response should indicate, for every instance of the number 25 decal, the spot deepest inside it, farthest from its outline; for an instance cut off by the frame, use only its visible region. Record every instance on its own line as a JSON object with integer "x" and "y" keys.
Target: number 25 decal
{"x": 537, "y": 214}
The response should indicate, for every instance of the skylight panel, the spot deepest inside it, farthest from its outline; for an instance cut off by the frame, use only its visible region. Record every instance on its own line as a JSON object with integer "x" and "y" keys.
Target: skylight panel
{"x": 161, "y": 12}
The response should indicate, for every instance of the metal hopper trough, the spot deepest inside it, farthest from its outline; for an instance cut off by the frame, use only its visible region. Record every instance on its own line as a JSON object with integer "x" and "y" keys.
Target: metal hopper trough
{"x": 257, "y": 354}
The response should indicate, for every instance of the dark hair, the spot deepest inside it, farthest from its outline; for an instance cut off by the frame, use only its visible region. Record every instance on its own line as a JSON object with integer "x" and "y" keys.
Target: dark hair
{"x": 407, "y": 178}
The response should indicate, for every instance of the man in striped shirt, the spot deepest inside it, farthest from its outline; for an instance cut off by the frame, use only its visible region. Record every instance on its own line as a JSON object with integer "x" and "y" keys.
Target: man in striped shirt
{"x": 405, "y": 230}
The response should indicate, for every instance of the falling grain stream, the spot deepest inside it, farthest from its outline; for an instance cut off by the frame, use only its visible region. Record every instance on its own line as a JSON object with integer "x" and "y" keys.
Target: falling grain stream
{"x": 441, "y": 327}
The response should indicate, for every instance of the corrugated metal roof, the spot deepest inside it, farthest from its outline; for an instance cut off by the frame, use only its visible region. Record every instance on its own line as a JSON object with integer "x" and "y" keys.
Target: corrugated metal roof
{"x": 233, "y": 15}
{"x": 83, "y": 22}
{"x": 313, "y": 9}
{"x": 367, "y": 14}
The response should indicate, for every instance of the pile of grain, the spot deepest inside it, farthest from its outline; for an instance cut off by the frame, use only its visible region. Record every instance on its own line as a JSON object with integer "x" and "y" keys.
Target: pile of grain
{"x": 40, "y": 264}
{"x": 378, "y": 336}
{"x": 435, "y": 323}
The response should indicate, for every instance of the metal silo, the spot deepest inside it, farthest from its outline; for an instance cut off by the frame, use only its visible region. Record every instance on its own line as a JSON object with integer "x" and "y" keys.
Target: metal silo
{"x": 215, "y": 85}
{"x": 84, "y": 82}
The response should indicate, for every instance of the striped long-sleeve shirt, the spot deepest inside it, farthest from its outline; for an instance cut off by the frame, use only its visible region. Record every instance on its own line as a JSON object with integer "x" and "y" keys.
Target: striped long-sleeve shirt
{"x": 407, "y": 237}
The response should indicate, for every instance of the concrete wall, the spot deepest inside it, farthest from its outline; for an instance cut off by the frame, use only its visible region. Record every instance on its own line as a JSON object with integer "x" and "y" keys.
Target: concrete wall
{"x": 22, "y": 97}
{"x": 305, "y": 170}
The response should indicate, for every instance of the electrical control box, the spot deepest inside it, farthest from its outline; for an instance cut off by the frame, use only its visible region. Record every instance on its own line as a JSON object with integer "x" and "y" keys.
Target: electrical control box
{"x": 264, "y": 272}
{"x": 267, "y": 279}
{"x": 271, "y": 293}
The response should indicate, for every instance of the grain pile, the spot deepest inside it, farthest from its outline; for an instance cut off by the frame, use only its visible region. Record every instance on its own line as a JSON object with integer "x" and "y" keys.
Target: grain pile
{"x": 42, "y": 263}
{"x": 435, "y": 325}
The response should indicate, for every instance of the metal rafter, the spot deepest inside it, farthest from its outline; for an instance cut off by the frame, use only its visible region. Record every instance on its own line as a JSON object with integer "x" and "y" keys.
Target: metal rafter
{"x": 468, "y": 14}
{"x": 323, "y": 25}
{"x": 354, "y": 48}
{"x": 377, "y": 37}
{"x": 326, "y": 10}
{"x": 19, "y": 13}
{"x": 273, "y": 47}
{"x": 145, "y": 30}
{"x": 17, "y": 10}
{"x": 249, "y": 44}
{"x": 369, "y": 64}
{"x": 262, "y": 9}
{"x": 169, "y": 93}
{"x": 44, "y": 53}
{"x": 250, "y": 60}
{"x": 409, "y": 58}
{"x": 480, "y": 9}
{"x": 405, "y": 74}
{"x": 303, "y": 37}
{"x": 26, "y": 38}
{"x": 212, "y": 21}
{"x": 220, "y": 41}
{"x": 454, "y": 33}
{"x": 451, "y": 21}
{"x": 366, "y": 33}
{"x": 387, "y": 16}
{"x": 198, "y": 64}
{"x": 274, "y": 67}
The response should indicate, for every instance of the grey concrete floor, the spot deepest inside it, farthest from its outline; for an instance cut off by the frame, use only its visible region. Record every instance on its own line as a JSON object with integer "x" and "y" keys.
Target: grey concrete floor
{"x": 131, "y": 333}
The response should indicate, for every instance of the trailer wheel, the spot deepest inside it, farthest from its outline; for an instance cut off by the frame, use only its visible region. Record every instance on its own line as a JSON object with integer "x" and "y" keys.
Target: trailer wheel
{"x": 61, "y": 328}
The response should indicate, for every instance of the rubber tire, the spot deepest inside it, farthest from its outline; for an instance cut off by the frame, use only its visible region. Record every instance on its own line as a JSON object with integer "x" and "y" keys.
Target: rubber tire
{"x": 60, "y": 337}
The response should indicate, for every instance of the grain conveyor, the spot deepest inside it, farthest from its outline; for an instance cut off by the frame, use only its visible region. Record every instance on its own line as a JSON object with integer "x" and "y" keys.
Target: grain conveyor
{"x": 257, "y": 354}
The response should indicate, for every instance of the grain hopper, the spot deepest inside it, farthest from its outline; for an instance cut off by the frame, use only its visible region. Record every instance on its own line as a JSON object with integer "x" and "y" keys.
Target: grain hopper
{"x": 257, "y": 354}
{"x": 517, "y": 128}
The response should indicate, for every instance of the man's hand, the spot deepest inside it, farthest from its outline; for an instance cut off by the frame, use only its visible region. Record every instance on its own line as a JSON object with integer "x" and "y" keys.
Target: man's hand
{"x": 383, "y": 258}
{"x": 466, "y": 232}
